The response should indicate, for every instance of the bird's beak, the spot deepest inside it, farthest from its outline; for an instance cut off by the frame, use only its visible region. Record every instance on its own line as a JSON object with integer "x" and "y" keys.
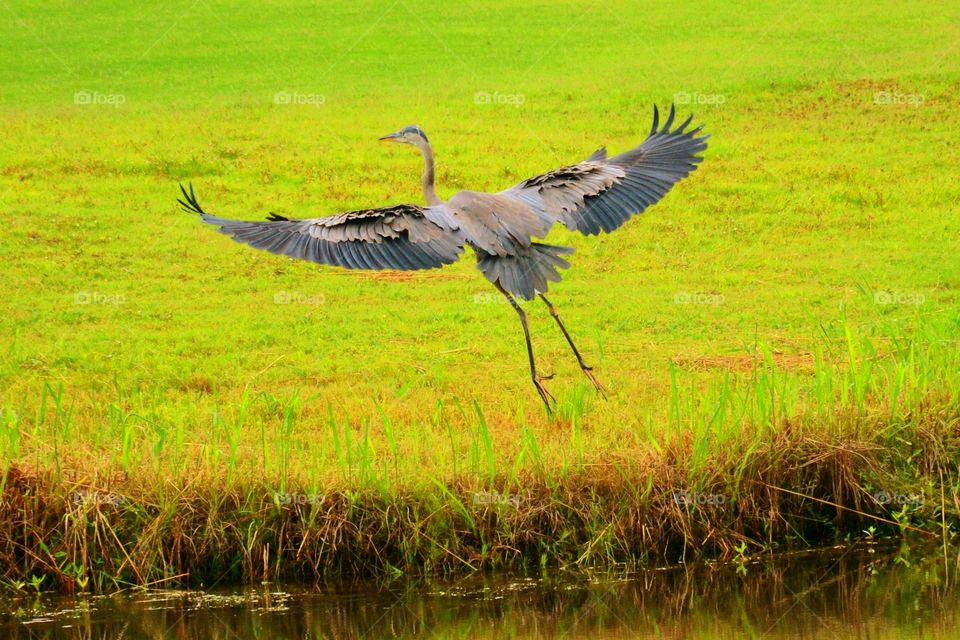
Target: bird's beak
{"x": 391, "y": 137}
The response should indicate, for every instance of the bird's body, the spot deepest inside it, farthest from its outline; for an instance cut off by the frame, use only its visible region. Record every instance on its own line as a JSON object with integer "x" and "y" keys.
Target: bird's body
{"x": 598, "y": 194}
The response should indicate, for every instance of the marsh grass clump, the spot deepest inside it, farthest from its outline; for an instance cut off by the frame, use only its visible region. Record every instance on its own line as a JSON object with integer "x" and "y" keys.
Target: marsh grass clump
{"x": 863, "y": 442}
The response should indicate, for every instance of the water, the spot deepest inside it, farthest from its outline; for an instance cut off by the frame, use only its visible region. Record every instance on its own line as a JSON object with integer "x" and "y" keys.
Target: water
{"x": 868, "y": 591}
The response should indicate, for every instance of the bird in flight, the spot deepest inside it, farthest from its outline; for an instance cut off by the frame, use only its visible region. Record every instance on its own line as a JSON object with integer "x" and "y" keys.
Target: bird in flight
{"x": 598, "y": 194}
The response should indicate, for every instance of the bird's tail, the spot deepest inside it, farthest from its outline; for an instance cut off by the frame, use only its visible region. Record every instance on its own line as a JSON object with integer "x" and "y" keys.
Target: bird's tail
{"x": 525, "y": 274}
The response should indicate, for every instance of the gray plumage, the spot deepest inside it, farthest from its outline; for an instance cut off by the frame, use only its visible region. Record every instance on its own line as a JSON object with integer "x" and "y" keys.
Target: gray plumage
{"x": 400, "y": 237}
{"x": 597, "y": 194}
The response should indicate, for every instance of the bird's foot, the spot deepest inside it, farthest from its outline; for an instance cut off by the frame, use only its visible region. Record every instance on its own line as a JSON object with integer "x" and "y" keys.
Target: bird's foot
{"x": 545, "y": 395}
{"x": 588, "y": 371}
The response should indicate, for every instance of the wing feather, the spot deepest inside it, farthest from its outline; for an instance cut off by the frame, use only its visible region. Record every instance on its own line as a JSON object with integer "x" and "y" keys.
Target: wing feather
{"x": 405, "y": 237}
{"x": 600, "y": 193}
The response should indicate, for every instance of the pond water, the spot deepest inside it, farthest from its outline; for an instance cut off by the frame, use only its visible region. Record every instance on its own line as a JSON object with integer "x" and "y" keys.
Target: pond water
{"x": 865, "y": 591}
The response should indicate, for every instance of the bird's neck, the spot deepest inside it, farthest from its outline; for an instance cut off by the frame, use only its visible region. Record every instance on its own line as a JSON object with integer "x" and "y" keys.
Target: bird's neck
{"x": 429, "y": 193}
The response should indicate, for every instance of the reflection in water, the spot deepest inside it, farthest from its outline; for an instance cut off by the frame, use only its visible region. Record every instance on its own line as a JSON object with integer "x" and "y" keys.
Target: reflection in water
{"x": 864, "y": 591}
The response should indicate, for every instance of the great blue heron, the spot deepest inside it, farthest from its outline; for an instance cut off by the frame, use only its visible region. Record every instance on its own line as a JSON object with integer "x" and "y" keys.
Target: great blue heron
{"x": 598, "y": 194}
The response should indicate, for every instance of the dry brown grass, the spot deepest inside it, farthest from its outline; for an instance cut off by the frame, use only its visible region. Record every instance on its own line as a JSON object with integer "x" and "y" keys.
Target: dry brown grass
{"x": 800, "y": 487}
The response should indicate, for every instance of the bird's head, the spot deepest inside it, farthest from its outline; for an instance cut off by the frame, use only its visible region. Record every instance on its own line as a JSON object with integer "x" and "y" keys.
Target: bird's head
{"x": 408, "y": 135}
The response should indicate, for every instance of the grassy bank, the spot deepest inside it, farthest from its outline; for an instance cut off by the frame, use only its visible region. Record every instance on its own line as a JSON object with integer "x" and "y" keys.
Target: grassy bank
{"x": 863, "y": 441}
{"x": 778, "y": 336}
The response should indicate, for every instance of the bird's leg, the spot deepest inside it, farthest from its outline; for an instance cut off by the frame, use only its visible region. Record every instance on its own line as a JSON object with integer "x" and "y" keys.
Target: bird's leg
{"x": 587, "y": 370}
{"x": 537, "y": 380}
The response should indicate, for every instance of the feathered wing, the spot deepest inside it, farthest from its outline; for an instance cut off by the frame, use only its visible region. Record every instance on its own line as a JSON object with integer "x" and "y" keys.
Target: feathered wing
{"x": 404, "y": 237}
{"x": 600, "y": 193}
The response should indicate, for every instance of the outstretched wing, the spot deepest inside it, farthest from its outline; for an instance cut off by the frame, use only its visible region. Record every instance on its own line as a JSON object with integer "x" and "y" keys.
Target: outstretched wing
{"x": 602, "y": 193}
{"x": 404, "y": 236}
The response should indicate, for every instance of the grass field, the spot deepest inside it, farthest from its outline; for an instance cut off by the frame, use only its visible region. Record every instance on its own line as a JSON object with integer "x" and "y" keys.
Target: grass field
{"x": 788, "y": 315}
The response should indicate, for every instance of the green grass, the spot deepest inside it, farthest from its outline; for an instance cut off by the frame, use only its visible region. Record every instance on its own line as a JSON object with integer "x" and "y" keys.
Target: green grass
{"x": 182, "y": 380}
